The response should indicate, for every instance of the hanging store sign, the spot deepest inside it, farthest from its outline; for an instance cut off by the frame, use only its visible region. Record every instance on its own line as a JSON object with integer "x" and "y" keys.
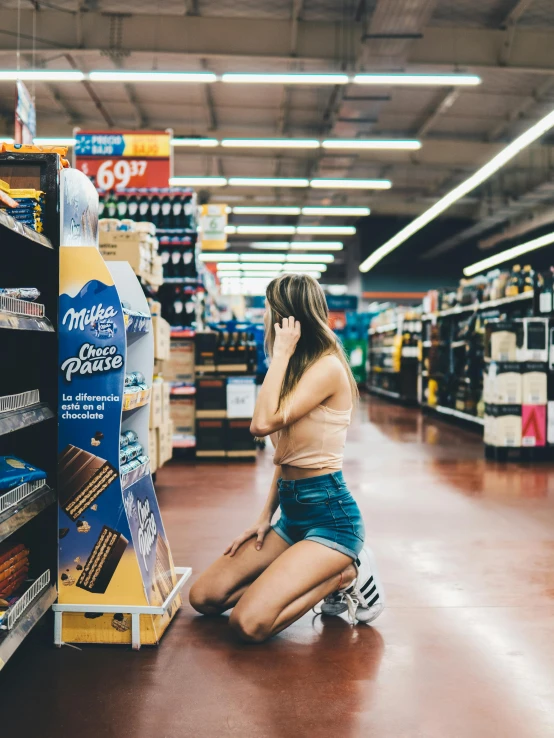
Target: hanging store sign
{"x": 213, "y": 221}
{"x": 25, "y": 116}
{"x": 122, "y": 160}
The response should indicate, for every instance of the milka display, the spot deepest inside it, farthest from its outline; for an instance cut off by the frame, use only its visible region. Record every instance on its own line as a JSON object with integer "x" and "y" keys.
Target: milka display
{"x": 112, "y": 545}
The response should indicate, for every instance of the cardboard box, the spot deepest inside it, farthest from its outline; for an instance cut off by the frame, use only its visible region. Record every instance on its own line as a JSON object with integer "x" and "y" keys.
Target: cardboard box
{"x": 535, "y": 384}
{"x": 211, "y": 396}
{"x": 211, "y": 436}
{"x": 156, "y": 400}
{"x": 533, "y": 425}
{"x": 180, "y": 367}
{"x": 166, "y": 402}
{"x": 136, "y": 253}
{"x": 533, "y": 344}
{"x": 241, "y": 397}
{"x": 153, "y": 449}
{"x": 503, "y": 425}
{"x": 239, "y": 437}
{"x": 167, "y": 451}
{"x": 503, "y": 383}
{"x": 162, "y": 433}
{"x": 206, "y": 348}
{"x": 162, "y": 334}
{"x": 502, "y": 343}
{"x": 183, "y": 415}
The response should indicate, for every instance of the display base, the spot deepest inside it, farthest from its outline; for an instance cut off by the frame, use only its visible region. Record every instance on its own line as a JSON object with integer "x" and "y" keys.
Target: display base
{"x": 535, "y": 454}
{"x": 147, "y": 623}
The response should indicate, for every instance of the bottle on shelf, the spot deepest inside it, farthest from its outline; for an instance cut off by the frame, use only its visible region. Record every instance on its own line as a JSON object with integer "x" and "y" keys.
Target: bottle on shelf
{"x": 164, "y": 251}
{"x": 176, "y": 261}
{"x": 165, "y": 220}
{"x": 188, "y": 209}
{"x": 110, "y": 207}
{"x": 121, "y": 206}
{"x": 155, "y": 206}
{"x": 143, "y": 206}
{"x": 177, "y": 212}
{"x": 132, "y": 205}
{"x": 177, "y": 307}
{"x": 515, "y": 283}
{"x": 546, "y": 293}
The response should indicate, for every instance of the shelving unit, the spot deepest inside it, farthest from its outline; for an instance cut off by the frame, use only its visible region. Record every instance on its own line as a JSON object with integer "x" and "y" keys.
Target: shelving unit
{"x": 392, "y": 362}
{"x": 28, "y": 378}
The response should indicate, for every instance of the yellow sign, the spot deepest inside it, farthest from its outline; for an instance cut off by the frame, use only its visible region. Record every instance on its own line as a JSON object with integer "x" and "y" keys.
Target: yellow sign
{"x": 146, "y": 146}
{"x": 213, "y": 221}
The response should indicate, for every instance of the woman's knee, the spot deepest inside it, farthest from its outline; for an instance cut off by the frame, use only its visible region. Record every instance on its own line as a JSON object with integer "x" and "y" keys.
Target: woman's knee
{"x": 249, "y": 626}
{"x": 206, "y": 600}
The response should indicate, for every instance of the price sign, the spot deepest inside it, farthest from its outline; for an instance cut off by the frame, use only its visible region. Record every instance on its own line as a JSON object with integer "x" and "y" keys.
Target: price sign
{"x": 241, "y": 397}
{"x": 213, "y": 221}
{"x": 118, "y": 161}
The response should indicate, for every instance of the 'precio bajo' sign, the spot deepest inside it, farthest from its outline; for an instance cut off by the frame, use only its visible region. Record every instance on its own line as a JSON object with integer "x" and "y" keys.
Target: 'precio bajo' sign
{"x": 126, "y": 159}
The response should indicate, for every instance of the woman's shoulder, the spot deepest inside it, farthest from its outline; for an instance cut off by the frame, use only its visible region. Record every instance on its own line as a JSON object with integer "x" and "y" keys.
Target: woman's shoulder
{"x": 328, "y": 365}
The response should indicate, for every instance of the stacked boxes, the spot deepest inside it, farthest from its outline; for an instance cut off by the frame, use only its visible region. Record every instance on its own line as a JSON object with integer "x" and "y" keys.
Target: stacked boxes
{"x": 515, "y": 387}
{"x": 162, "y": 338}
{"x": 139, "y": 247}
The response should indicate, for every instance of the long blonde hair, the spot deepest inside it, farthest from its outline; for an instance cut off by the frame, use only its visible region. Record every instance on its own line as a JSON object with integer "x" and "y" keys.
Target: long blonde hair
{"x": 300, "y": 296}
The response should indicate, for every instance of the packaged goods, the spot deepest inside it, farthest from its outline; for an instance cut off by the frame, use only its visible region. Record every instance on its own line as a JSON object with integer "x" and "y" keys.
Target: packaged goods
{"x": 30, "y": 294}
{"x": 14, "y": 472}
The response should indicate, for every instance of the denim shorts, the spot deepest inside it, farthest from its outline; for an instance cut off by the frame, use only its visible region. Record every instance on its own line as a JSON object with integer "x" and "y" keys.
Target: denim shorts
{"x": 320, "y": 509}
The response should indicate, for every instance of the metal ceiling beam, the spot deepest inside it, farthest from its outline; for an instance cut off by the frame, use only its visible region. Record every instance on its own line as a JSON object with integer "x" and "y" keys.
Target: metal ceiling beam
{"x": 519, "y": 112}
{"x": 445, "y": 101}
{"x": 191, "y": 7}
{"x": 520, "y": 7}
{"x": 91, "y": 93}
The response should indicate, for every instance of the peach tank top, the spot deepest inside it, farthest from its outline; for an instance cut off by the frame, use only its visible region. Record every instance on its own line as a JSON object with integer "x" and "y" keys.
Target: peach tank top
{"x": 316, "y": 441}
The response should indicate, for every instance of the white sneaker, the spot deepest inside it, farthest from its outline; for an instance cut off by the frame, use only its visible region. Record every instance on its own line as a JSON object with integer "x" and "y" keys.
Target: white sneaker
{"x": 364, "y": 598}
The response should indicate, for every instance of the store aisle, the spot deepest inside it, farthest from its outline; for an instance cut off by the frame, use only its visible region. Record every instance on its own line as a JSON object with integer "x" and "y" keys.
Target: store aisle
{"x": 465, "y": 649}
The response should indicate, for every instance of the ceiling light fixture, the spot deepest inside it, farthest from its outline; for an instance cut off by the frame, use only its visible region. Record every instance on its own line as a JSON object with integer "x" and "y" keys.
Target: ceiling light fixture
{"x": 295, "y": 78}
{"x": 268, "y": 182}
{"x": 326, "y": 230}
{"x": 352, "y": 184}
{"x": 509, "y": 254}
{"x": 218, "y": 256}
{"x": 270, "y": 245}
{"x": 41, "y": 75}
{"x": 322, "y": 211}
{"x": 314, "y": 245}
{"x": 480, "y": 176}
{"x": 382, "y": 144}
{"x": 119, "y": 75}
{"x": 265, "y": 229}
{"x": 197, "y": 181}
{"x": 308, "y": 258}
{"x": 270, "y": 210}
{"x": 403, "y": 78}
{"x": 271, "y": 143}
{"x": 202, "y": 143}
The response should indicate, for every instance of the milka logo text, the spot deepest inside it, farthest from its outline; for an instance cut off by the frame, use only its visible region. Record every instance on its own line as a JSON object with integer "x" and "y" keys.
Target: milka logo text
{"x": 80, "y": 319}
{"x": 147, "y": 529}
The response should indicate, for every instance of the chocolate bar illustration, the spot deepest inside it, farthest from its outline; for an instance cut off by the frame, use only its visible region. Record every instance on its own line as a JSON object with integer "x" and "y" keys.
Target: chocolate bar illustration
{"x": 103, "y": 561}
{"x": 162, "y": 568}
{"x": 82, "y": 478}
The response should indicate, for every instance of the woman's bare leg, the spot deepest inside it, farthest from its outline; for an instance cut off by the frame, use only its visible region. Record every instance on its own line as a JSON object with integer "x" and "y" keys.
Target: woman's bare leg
{"x": 290, "y": 586}
{"x": 222, "y": 585}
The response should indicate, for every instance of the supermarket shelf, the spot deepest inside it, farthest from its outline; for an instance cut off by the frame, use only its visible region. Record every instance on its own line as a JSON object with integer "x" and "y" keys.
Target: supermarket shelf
{"x": 384, "y": 392}
{"x": 180, "y": 441}
{"x": 132, "y": 401}
{"x": 249, "y": 454}
{"x": 383, "y": 370}
{"x": 479, "y": 306}
{"x": 176, "y": 231}
{"x": 134, "y": 475}
{"x": 14, "y": 420}
{"x": 137, "y": 323}
{"x": 19, "y": 234}
{"x": 383, "y": 329}
{"x": 211, "y": 454}
{"x": 206, "y": 414}
{"x": 21, "y": 504}
{"x": 181, "y": 280}
{"x": 182, "y": 333}
{"x": 382, "y": 350}
{"x": 184, "y": 391}
{"x": 23, "y": 315}
{"x": 458, "y": 344}
{"x": 457, "y": 414}
{"x": 10, "y": 640}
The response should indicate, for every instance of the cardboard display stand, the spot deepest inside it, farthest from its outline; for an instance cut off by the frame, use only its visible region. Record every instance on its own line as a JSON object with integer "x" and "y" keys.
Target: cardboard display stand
{"x": 117, "y": 581}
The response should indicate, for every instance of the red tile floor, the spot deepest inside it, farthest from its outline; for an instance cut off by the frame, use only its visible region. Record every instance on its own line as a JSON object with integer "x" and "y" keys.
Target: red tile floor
{"x": 464, "y": 650}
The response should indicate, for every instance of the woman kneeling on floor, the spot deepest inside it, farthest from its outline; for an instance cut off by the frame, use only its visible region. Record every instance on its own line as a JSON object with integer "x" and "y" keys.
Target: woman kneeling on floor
{"x": 271, "y": 575}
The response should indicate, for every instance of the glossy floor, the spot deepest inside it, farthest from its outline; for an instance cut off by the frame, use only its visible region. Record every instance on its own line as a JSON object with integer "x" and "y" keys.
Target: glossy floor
{"x": 464, "y": 650}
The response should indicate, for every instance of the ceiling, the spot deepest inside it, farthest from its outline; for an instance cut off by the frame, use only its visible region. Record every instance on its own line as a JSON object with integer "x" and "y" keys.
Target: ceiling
{"x": 508, "y": 43}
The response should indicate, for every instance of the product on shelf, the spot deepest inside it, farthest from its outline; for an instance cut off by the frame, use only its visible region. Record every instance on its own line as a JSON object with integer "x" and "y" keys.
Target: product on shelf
{"x": 30, "y": 294}
{"x": 29, "y": 204}
{"x": 15, "y": 471}
{"x": 14, "y": 567}
{"x": 103, "y": 561}
{"x": 82, "y": 479}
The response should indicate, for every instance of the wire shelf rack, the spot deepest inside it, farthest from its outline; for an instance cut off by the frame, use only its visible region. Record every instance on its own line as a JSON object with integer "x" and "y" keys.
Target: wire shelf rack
{"x": 21, "y": 307}
{"x": 11, "y": 403}
{"x": 17, "y": 610}
{"x": 18, "y": 494}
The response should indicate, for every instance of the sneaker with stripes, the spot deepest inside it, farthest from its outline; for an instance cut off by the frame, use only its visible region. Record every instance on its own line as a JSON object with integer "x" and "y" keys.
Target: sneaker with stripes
{"x": 364, "y": 598}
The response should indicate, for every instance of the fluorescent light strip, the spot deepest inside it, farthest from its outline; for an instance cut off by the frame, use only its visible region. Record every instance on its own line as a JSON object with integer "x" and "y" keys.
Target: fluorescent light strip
{"x": 41, "y": 75}
{"x": 197, "y": 181}
{"x": 218, "y": 256}
{"x": 307, "y": 258}
{"x": 271, "y": 143}
{"x": 270, "y": 210}
{"x": 314, "y": 245}
{"x": 326, "y": 230}
{"x": 372, "y": 144}
{"x": 265, "y": 229}
{"x": 255, "y": 266}
{"x": 322, "y": 211}
{"x": 480, "y": 176}
{"x": 352, "y": 184}
{"x": 426, "y": 80}
{"x": 298, "y": 78}
{"x": 268, "y": 182}
{"x": 270, "y": 245}
{"x": 201, "y": 143}
{"x": 156, "y": 76}
{"x": 509, "y": 254}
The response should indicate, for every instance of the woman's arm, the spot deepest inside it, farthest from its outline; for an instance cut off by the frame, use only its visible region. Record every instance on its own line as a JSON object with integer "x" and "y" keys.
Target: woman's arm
{"x": 314, "y": 387}
{"x": 263, "y": 525}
